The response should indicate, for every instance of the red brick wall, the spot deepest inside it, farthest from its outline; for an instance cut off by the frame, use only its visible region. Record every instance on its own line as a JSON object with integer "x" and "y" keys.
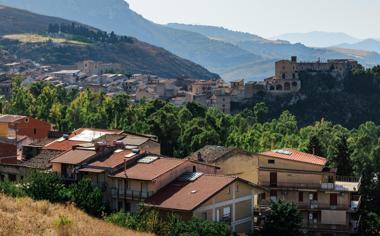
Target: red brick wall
{"x": 8, "y": 153}
{"x": 32, "y": 128}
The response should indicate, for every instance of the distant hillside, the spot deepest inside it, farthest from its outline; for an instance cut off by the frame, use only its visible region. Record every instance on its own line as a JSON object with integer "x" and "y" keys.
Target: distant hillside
{"x": 318, "y": 39}
{"x": 371, "y": 45}
{"x": 231, "y": 54}
{"x": 115, "y": 15}
{"x": 24, "y": 216}
{"x": 136, "y": 57}
{"x": 271, "y": 50}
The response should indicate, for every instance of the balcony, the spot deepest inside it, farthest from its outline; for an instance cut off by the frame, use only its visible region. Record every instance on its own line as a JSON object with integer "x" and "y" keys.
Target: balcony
{"x": 315, "y": 205}
{"x": 287, "y": 185}
{"x": 131, "y": 194}
{"x": 351, "y": 228}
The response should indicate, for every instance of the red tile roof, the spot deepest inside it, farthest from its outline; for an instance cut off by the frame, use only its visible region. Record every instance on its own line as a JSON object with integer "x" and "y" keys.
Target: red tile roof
{"x": 150, "y": 171}
{"x": 295, "y": 155}
{"x": 117, "y": 158}
{"x": 64, "y": 145}
{"x": 187, "y": 196}
{"x": 74, "y": 157}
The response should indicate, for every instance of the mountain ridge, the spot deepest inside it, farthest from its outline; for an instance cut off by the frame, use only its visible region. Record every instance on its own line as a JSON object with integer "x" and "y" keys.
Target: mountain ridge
{"x": 137, "y": 57}
{"x": 318, "y": 38}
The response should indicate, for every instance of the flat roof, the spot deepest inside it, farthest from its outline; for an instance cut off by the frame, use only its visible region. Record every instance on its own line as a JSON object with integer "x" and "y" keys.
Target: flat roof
{"x": 10, "y": 118}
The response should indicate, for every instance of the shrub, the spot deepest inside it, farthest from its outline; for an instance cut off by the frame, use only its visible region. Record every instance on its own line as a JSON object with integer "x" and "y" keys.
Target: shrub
{"x": 11, "y": 189}
{"x": 63, "y": 225}
{"x": 45, "y": 186}
{"x": 87, "y": 197}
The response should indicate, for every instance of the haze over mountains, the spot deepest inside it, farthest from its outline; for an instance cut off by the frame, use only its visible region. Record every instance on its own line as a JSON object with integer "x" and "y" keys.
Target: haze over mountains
{"x": 135, "y": 56}
{"x": 233, "y": 55}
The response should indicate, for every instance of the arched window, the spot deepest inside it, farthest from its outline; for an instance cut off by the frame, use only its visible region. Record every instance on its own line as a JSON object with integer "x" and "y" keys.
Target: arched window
{"x": 279, "y": 87}
{"x": 287, "y": 86}
{"x": 271, "y": 88}
{"x": 283, "y": 76}
{"x": 294, "y": 84}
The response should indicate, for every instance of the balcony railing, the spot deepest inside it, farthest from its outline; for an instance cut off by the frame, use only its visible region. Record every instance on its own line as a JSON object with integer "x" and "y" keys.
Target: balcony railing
{"x": 315, "y": 205}
{"x": 131, "y": 194}
{"x": 351, "y": 228}
{"x": 291, "y": 185}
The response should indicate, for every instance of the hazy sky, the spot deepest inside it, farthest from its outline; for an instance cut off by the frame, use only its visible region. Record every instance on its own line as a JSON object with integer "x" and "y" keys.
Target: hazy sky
{"x": 359, "y": 18}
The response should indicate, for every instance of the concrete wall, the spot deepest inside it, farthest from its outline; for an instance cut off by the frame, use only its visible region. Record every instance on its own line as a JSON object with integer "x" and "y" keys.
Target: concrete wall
{"x": 237, "y": 198}
{"x": 243, "y": 165}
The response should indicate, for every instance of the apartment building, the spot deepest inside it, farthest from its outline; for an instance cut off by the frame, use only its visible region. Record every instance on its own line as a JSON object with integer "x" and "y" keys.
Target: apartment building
{"x": 328, "y": 202}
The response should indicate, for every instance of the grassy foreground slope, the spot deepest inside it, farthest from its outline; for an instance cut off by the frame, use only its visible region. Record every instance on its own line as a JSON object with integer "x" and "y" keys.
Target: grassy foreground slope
{"x": 23, "y": 216}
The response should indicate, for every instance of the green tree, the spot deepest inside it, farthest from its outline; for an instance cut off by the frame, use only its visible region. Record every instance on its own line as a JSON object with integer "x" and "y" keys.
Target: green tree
{"x": 87, "y": 197}
{"x": 44, "y": 186}
{"x": 284, "y": 219}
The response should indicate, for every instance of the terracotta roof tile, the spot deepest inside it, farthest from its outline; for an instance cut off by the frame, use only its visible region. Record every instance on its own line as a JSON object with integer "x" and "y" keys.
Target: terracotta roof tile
{"x": 64, "y": 145}
{"x": 117, "y": 158}
{"x": 187, "y": 196}
{"x": 74, "y": 157}
{"x": 151, "y": 171}
{"x": 211, "y": 153}
{"x": 295, "y": 155}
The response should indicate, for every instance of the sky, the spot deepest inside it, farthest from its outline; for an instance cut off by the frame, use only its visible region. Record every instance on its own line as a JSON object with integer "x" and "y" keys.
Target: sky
{"x": 269, "y": 18}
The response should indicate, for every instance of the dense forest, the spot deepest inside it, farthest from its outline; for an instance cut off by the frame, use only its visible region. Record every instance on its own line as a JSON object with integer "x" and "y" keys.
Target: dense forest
{"x": 349, "y": 101}
{"x": 87, "y": 34}
{"x": 182, "y": 130}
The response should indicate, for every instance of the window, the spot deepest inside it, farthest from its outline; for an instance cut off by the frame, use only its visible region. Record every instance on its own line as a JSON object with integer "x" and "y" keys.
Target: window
{"x": 237, "y": 187}
{"x": 300, "y": 196}
{"x": 35, "y": 131}
{"x": 273, "y": 179}
{"x": 313, "y": 218}
{"x": 273, "y": 195}
{"x": 313, "y": 196}
{"x": 271, "y": 161}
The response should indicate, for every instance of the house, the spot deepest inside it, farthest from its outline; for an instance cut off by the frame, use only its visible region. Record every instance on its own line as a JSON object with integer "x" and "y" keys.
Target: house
{"x": 232, "y": 161}
{"x": 12, "y": 126}
{"x": 211, "y": 197}
{"x": 145, "y": 175}
{"x": 328, "y": 203}
{"x": 17, "y": 131}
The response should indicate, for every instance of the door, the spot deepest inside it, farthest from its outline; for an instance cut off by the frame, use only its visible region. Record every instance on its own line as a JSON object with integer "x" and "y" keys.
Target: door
{"x": 273, "y": 179}
{"x": 333, "y": 199}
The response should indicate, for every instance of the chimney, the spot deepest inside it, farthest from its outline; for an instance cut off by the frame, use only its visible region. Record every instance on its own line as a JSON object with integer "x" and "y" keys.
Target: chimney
{"x": 200, "y": 157}
{"x": 100, "y": 146}
{"x": 119, "y": 144}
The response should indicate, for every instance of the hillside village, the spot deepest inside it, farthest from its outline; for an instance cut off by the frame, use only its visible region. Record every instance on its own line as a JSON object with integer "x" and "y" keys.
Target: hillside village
{"x": 108, "y": 78}
{"x": 216, "y": 183}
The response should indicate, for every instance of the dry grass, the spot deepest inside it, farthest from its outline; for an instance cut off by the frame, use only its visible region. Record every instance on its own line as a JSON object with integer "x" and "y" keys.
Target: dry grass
{"x": 35, "y": 38}
{"x": 23, "y": 216}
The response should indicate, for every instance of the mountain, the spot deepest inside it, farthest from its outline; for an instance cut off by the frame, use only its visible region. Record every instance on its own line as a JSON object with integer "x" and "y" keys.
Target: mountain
{"x": 115, "y": 15}
{"x": 231, "y": 54}
{"x": 318, "y": 38}
{"x": 371, "y": 45}
{"x": 134, "y": 55}
{"x": 272, "y": 50}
